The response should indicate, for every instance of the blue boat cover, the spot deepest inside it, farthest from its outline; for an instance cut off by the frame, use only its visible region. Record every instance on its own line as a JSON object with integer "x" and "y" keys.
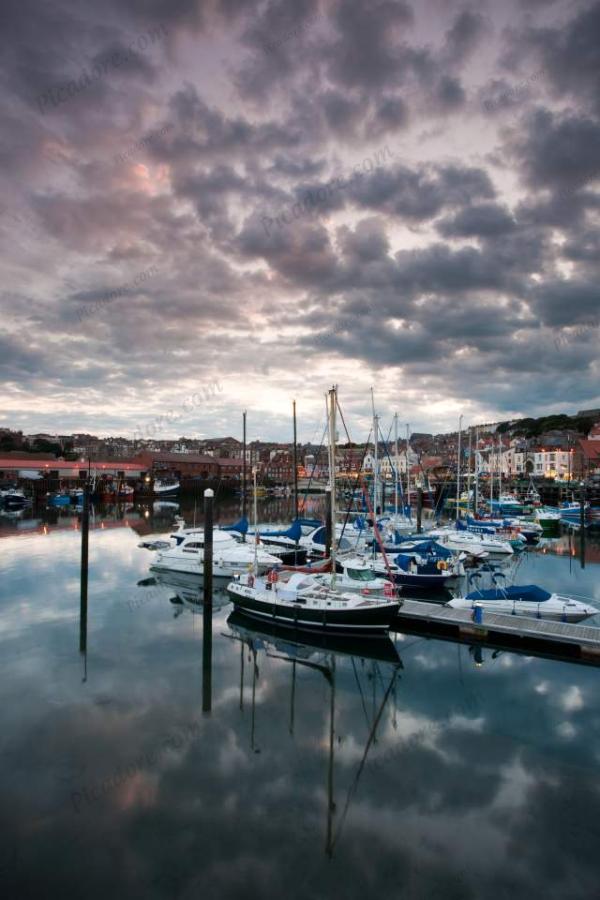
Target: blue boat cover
{"x": 428, "y": 547}
{"x": 309, "y": 523}
{"x": 241, "y": 525}
{"x": 294, "y": 532}
{"x": 476, "y": 528}
{"x": 529, "y": 592}
{"x": 320, "y": 535}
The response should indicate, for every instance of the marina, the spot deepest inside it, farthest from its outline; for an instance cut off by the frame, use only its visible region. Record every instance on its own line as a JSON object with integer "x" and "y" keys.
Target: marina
{"x": 136, "y": 716}
{"x": 300, "y": 450}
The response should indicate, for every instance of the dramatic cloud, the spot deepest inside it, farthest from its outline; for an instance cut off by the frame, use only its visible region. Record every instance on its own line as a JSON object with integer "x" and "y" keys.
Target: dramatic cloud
{"x": 392, "y": 194}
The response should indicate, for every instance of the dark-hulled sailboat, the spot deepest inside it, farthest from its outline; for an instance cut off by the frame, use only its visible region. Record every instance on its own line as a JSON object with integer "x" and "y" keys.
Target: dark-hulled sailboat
{"x": 316, "y": 608}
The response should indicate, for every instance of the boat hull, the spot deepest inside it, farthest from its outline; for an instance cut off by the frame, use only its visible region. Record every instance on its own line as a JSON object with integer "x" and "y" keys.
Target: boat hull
{"x": 422, "y": 582}
{"x": 60, "y": 500}
{"x": 195, "y": 566}
{"x": 295, "y": 615}
{"x": 376, "y": 646}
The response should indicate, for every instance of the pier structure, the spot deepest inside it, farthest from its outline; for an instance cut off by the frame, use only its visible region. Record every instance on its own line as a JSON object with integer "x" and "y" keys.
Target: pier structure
{"x": 541, "y": 637}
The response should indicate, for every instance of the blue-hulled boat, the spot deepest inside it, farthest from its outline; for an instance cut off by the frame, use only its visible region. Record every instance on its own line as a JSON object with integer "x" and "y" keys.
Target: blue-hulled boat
{"x": 427, "y": 565}
{"x": 572, "y": 511}
{"x": 59, "y": 500}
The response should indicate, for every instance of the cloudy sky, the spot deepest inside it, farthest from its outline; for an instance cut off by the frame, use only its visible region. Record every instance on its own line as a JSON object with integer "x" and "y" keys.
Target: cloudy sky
{"x": 256, "y": 200}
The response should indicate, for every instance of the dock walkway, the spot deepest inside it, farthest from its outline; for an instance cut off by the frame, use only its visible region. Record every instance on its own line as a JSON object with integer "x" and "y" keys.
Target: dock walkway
{"x": 520, "y": 632}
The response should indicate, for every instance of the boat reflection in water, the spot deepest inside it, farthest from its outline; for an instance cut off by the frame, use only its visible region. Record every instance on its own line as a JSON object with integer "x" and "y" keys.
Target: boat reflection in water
{"x": 320, "y": 652}
{"x": 188, "y": 591}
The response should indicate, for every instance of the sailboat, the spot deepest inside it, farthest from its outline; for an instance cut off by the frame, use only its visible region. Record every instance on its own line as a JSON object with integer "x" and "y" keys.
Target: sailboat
{"x": 316, "y": 607}
{"x": 526, "y": 600}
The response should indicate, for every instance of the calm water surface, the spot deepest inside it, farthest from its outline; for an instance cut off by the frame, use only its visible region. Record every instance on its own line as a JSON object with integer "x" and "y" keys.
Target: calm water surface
{"x": 415, "y": 769}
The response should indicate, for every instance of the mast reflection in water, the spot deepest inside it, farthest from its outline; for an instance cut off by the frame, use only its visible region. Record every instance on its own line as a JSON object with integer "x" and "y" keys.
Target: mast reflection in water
{"x": 319, "y": 653}
{"x": 323, "y": 770}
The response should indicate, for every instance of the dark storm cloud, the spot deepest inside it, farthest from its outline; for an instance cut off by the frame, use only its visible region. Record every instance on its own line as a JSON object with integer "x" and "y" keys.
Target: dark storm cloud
{"x": 567, "y": 302}
{"x": 569, "y": 52}
{"x": 483, "y": 220}
{"x": 464, "y": 36}
{"x": 421, "y": 192}
{"x": 559, "y": 151}
{"x": 455, "y": 261}
{"x": 368, "y": 50}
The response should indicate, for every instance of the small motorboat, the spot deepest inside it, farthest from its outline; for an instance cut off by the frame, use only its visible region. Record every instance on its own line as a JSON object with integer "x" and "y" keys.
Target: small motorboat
{"x": 572, "y": 511}
{"x": 13, "y": 499}
{"x": 427, "y": 566}
{"x": 531, "y": 531}
{"x": 515, "y": 538}
{"x": 547, "y": 517}
{"x": 455, "y": 539}
{"x": 506, "y": 504}
{"x": 526, "y": 600}
{"x": 60, "y": 499}
{"x": 165, "y": 488}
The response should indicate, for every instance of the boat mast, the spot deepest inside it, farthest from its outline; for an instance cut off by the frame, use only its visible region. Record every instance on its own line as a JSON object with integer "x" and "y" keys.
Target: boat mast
{"x": 375, "y": 455}
{"x": 491, "y": 467}
{"x": 499, "y": 467}
{"x": 244, "y": 465}
{"x": 396, "y": 465}
{"x": 476, "y": 462}
{"x": 256, "y": 535}
{"x": 460, "y": 418}
{"x": 408, "y": 467}
{"x": 295, "y": 464}
{"x": 470, "y": 466}
{"x": 332, "y": 413}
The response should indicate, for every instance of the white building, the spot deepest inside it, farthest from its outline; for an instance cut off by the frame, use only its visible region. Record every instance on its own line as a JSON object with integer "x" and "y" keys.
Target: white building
{"x": 542, "y": 463}
{"x": 553, "y": 463}
{"x": 387, "y": 465}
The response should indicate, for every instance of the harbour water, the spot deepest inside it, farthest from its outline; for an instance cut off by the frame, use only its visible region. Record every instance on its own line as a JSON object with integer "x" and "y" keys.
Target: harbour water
{"x": 415, "y": 769}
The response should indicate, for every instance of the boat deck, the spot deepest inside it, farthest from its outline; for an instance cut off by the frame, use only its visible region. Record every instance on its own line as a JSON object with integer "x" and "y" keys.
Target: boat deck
{"x": 577, "y": 642}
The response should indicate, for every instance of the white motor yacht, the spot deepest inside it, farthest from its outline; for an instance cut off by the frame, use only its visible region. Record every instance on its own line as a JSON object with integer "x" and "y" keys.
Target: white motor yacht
{"x": 229, "y": 557}
{"x": 470, "y": 542}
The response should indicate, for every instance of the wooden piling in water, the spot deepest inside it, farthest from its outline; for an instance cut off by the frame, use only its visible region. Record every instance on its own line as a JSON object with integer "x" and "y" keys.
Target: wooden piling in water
{"x": 83, "y": 597}
{"x": 207, "y": 606}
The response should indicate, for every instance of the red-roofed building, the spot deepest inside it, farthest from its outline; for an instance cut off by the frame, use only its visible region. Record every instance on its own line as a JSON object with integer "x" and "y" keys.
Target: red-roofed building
{"x": 587, "y": 457}
{"x": 37, "y": 465}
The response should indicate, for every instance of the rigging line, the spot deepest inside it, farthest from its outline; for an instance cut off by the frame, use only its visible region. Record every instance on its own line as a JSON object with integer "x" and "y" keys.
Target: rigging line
{"x": 418, "y": 640}
{"x": 354, "y": 786}
{"x": 356, "y": 484}
{"x": 379, "y": 675}
{"x": 304, "y": 498}
{"x": 358, "y": 474}
{"x": 393, "y": 467}
{"x": 360, "y": 691}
